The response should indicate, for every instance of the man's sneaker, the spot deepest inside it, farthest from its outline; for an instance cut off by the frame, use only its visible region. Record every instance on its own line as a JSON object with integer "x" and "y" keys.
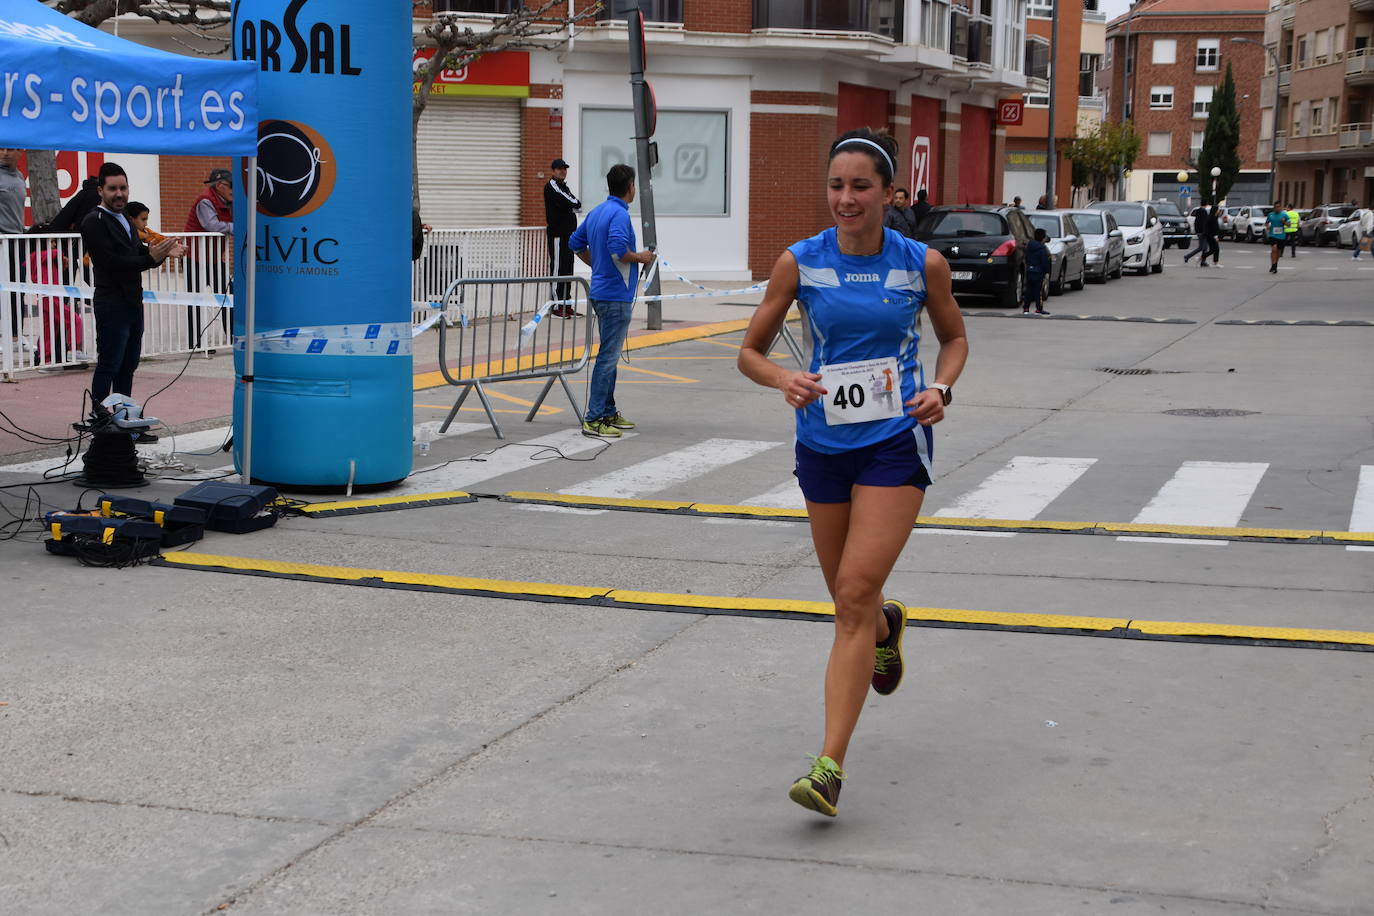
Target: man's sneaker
{"x": 887, "y": 657}
{"x": 819, "y": 790}
{"x": 619, "y": 422}
{"x": 601, "y": 428}
{"x": 1041, "y": 312}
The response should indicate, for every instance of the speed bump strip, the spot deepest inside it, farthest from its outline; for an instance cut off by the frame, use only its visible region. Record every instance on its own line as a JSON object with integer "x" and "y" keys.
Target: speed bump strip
{"x": 386, "y": 504}
{"x": 1112, "y": 627}
{"x": 1060, "y": 316}
{"x": 1028, "y": 526}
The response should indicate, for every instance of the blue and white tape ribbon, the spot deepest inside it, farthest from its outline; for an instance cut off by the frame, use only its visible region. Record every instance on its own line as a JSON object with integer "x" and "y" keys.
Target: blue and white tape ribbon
{"x": 391, "y": 339}
{"x": 150, "y": 297}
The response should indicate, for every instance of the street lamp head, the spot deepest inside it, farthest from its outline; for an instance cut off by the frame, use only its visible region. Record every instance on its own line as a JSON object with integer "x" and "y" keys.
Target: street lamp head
{"x": 1182, "y": 176}
{"x": 1216, "y": 171}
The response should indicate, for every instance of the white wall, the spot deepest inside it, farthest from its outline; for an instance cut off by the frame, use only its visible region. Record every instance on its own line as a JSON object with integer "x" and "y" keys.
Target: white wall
{"x": 702, "y": 247}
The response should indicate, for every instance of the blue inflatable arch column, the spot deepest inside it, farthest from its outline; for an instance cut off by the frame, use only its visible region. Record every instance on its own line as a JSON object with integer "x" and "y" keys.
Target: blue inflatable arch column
{"x": 323, "y": 350}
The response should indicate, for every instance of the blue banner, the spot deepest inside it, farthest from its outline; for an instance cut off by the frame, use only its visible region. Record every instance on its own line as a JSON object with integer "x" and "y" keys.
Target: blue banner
{"x": 65, "y": 85}
{"x": 332, "y": 367}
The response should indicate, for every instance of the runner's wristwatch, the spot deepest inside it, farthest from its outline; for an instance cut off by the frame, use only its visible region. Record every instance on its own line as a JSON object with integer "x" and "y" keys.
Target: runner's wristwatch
{"x": 945, "y": 394}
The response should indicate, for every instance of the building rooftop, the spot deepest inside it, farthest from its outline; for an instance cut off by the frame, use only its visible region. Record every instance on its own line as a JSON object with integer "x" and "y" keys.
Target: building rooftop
{"x": 1191, "y": 8}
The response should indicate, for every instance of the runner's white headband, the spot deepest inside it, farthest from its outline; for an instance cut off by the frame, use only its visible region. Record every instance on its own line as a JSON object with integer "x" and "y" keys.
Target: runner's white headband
{"x": 891, "y": 169}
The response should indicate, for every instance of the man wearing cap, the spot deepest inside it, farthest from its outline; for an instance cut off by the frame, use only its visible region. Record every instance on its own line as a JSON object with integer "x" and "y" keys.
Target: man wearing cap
{"x": 560, "y": 219}
{"x": 213, "y": 211}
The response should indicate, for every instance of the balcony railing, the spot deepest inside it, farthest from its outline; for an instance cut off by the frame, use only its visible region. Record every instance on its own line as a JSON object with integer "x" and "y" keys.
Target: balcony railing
{"x": 1353, "y": 136}
{"x": 1362, "y": 4}
{"x": 1092, "y": 102}
{"x": 1281, "y": 141}
{"x": 1285, "y": 77}
{"x": 878, "y": 17}
{"x": 1359, "y": 66}
{"x": 653, "y": 10}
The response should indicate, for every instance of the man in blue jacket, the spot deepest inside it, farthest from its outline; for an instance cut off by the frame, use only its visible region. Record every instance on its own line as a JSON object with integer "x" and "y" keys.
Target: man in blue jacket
{"x": 606, "y": 241}
{"x": 1037, "y": 268}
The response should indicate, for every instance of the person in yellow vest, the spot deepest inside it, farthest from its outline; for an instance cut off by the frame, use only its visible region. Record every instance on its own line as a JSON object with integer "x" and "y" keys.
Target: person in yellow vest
{"x": 1290, "y": 229}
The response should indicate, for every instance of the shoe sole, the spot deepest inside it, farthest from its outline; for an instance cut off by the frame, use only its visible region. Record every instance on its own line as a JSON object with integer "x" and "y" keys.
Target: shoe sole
{"x": 594, "y": 435}
{"x": 900, "y": 634}
{"x": 802, "y": 793}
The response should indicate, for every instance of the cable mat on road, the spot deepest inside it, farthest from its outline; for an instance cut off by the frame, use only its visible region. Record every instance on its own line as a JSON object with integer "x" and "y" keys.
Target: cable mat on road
{"x": 1300, "y": 322}
{"x": 736, "y": 606}
{"x": 1029, "y": 526}
{"x": 386, "y": 504}
{"x": 1059, "y": 316}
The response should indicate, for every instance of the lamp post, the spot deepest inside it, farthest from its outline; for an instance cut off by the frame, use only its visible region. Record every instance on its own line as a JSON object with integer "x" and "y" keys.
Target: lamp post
{"x": 1274, "y": 122}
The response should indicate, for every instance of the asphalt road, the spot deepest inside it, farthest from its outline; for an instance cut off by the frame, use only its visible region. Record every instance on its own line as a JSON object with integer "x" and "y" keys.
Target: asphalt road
{"x": 431, "y": 716}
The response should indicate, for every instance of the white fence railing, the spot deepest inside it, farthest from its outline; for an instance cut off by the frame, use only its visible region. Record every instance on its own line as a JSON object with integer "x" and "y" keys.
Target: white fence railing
{"x": 47, "y": 322}
{"x": 54, "y": 329}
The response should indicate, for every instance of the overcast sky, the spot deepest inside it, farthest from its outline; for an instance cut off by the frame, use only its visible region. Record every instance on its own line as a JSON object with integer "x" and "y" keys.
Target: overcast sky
{"x": 1114, "y": 8}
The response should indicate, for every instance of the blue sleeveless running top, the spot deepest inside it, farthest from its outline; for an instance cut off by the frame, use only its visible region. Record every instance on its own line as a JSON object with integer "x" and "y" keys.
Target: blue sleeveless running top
{"x": 858, "y": 308}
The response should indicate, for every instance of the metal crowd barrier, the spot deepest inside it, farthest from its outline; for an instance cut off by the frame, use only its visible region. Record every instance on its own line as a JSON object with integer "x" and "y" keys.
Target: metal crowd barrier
{"x": 503, "y": 331}
{"x": 453, "y": 254}
{"x": 46, "y": 321}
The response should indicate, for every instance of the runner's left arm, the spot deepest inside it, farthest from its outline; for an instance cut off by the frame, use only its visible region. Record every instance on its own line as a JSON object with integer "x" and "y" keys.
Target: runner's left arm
{"x": 928, "y": 406}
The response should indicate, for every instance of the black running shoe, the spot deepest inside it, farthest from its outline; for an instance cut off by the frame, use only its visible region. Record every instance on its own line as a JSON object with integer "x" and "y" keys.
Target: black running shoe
{"x": 819, "y": 790}
{"x": 887, "y": 657}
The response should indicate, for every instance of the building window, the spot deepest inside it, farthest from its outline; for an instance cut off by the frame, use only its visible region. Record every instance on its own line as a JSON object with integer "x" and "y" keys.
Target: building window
{"x": 1161, "y": 97}
{"x": 871, "y": 16}
{"x": 1160, "y": 143}
{"x": 1014, "y": 37}
{"x": 1304, "y": 43}
{"x": 1208, "y": 53}
{"x": 1202, "y": 100}
{"x": 1040, "y": 9}
{"x": 1196, "y": 144}
{"x": 1297, "y": 119}
{"x": 654, "y": 11}
{"x": 935, "y": 24}
{"x": 692, "y": 178}
{"x": 1088, "y": 65}
{"x": 1165, "y": 51}
{"x": 1037, "y": 101}
{"x": 1318, "y": 118}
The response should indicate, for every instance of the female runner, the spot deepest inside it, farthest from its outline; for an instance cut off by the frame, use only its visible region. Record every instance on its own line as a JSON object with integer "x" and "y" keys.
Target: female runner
{"x": 863, "y": 458}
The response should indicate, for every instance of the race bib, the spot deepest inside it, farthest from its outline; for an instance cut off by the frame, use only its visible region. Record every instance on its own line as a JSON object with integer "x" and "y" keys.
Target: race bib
{"x": 862, "y": 392}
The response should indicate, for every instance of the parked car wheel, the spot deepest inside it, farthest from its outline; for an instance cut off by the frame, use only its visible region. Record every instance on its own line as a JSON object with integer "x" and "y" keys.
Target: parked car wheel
{"x": 1012, "y": 297}
{"x": 1120, "y": 268}
{"x": 1057, "y": 285}
{"x": 1081, "y": 281}
{"x": 1158, "y": 266}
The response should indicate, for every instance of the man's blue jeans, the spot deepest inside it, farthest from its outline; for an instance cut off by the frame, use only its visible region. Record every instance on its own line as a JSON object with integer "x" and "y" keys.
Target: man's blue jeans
{"x": 118, "y": 344}
{"x": 612, "y": 324}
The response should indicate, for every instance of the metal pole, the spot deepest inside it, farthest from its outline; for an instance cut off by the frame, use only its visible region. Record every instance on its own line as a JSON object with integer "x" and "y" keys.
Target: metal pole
{"x": 640, "y": 94}
{"x": 250, "y": 291}
{"x": 1050, "y": 157}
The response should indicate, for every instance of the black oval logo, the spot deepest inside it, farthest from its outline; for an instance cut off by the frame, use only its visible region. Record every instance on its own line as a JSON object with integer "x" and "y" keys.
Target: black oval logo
{"x": 296, "y": 168}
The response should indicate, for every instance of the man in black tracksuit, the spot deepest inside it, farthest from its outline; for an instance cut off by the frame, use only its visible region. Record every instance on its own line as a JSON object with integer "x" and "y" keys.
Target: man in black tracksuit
{"x": 560, "y": 219}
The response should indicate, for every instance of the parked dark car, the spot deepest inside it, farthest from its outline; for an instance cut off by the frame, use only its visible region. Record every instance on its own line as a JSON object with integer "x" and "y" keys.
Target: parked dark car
{"x": 1178, "y": 229}
{"x": 985, "y": 247}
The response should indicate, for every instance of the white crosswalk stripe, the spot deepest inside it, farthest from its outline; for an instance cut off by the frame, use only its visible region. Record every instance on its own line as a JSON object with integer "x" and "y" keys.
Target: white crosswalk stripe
{"x": 1362, "y": 512}
{"x": 1206, "y": 493}
{"x": 664, "y": 471}
{"x": 786, "y": 495}
{"x": 1021, "y": 489}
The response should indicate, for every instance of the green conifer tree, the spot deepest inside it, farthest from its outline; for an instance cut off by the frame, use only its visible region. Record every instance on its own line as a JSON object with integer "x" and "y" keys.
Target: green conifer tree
{"x": 1220, "y": 143}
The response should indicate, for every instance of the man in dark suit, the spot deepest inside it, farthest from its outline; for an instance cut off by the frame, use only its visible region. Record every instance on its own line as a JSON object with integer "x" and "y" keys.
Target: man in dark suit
{"x": 119, "y": 259}
{"x": 560, "y": 219}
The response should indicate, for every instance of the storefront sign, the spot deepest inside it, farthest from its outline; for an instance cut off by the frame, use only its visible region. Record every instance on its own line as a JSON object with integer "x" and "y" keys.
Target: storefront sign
{"x": 501, "y": 74}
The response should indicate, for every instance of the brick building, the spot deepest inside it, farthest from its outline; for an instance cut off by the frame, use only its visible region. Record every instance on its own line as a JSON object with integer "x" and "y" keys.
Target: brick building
{"x": 1164, "y": 59}
{"x": 1325, "y": 88}
{"x": 749, "y": 95}
{"x": 1026, "y": 163}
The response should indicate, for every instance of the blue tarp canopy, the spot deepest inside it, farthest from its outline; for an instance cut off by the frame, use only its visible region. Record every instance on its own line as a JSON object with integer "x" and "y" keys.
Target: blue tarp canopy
{"x": 65, "y": 85}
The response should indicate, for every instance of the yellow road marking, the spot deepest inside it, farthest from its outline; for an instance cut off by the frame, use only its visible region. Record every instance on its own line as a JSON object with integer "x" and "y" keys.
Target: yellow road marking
{"x": 1122, "y": 627}
{"x": 680, "y": 379}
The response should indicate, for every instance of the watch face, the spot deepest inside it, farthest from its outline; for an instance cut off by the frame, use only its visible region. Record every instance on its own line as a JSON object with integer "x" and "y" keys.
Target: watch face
{"x": 948, "y": 395}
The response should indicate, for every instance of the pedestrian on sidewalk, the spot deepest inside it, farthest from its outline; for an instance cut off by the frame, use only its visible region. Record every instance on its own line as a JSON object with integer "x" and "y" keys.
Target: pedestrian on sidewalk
{"x": 1276, "y": 233}
{"x": 863, "y": 466}
{"x": 560, "y": 219}
{"x": 119, "y": 259}
{"x": 1214, "y": 234}
{"x": 1366, "y": 239}
{"x": 1038, "y": 267}
{"x": 13, "y": 191}
{"x": 899, "y": 216}
{"x": 1199, "y": 216}
{"x": 606, "y": 241}
{"x": 212, "y": 211}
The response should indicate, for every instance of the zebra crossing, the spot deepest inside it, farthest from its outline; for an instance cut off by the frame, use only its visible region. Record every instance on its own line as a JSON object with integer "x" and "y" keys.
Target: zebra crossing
{"x": 1198, "y": 493}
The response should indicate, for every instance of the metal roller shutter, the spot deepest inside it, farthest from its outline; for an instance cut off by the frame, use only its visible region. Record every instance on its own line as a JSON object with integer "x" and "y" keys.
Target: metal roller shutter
{"x": 469, "y": 162}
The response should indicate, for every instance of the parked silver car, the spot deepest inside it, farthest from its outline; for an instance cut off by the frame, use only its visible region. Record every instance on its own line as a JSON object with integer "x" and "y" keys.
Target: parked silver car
{"x": 1068, "y": 255}
{"x": 1103, "y": 245}
{"x": 1248, "y": 224}
{"x": 1326, "y": 220}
